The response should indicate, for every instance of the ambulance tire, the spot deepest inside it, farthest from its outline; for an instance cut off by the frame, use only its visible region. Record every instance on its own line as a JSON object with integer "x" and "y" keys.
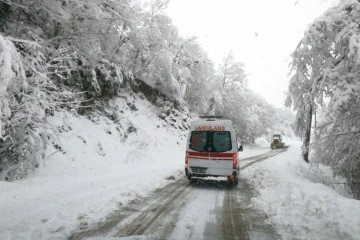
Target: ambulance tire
{"x": 236, "y": 182}
{"x": 191, "y": 180}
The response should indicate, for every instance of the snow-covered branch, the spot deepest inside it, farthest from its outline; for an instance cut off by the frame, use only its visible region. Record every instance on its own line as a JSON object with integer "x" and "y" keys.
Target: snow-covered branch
{"x": 326, "y": 64}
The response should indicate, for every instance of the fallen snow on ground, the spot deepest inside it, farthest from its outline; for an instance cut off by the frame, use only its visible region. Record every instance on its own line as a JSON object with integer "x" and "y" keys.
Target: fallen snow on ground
{"x": 261, "y": 146}
{"x": 299, "y": 200}
{"x": 101, "y": 170}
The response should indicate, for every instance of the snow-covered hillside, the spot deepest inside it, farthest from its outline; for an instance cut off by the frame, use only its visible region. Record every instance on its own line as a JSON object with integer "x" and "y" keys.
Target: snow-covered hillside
{"x": 303, "y": 201}
{"x": 99, "y": 170}
{"x": 100, "y": 166}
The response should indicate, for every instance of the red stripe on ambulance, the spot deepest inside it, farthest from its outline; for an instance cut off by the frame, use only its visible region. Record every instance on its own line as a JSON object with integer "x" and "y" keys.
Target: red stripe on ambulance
{"x": 207, "y": 155}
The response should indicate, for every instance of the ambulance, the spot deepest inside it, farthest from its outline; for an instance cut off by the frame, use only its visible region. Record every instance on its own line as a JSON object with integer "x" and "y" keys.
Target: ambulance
{"x": 212, "y": 149}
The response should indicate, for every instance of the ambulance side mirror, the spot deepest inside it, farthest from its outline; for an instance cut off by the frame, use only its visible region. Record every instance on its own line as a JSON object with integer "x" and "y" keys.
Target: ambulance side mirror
{"x": 240, "y": 148}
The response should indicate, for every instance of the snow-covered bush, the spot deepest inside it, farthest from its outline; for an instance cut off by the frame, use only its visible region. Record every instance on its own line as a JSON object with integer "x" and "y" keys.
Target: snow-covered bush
{"x": 21, "y": 111}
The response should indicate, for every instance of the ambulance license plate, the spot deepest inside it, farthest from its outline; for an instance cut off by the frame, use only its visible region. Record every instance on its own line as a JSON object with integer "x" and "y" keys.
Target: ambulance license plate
{"x": 198, "y": 170}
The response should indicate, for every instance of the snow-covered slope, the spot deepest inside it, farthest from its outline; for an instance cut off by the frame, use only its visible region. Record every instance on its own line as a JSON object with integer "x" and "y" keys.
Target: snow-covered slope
{"x": 100, "y": 166}
{"x": 300, "y": 199}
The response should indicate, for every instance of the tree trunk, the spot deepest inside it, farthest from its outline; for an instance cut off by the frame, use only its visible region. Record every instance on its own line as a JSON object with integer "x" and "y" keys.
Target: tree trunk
{"x": 211, "y": 106}
{"x": 306, "y": 143}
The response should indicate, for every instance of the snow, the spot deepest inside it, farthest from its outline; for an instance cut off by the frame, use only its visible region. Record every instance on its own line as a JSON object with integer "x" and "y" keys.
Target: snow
{"x": 6, "y": 73}
{"x": 98, "y": 173}
{"x": 300, "y": 203}
{"x": 99, "y": 169}
{"x": 209, "y": 203}
{"x": 261, "y": 146}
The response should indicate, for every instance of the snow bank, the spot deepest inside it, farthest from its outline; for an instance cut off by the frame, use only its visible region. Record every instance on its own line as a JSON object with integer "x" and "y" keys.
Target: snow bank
{"x": 99, "y": 168}
{"x": 301, "y": 207}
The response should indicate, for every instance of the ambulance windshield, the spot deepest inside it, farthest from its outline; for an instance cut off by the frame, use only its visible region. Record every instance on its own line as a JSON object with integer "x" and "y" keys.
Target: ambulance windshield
{"x": 210, "y": 141}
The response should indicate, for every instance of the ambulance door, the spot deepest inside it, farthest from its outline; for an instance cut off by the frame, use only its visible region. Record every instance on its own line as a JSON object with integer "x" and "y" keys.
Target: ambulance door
{"x": 198, "y": 160}
{"x": 221, "y": 161}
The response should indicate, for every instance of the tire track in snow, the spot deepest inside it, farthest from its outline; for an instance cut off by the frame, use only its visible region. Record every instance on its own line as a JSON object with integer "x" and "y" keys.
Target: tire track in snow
{"x": 146, "y": 222}
{"x": 148, "y": 215}
{"x": 233, "y": 224}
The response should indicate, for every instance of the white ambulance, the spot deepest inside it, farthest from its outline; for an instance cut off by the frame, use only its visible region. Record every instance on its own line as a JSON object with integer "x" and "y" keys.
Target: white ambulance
{"x": 212, "y": 149}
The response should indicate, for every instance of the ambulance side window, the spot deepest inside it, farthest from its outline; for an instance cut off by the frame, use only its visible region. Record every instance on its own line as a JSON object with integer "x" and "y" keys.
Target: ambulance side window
{"x": 198, "y": 140}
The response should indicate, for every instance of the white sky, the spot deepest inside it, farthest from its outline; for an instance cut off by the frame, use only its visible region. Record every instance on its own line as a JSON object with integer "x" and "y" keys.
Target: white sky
{"x": 261, "y": 33}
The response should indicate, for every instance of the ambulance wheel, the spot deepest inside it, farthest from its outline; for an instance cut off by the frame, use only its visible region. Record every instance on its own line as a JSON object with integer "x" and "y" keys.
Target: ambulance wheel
{"x": 191, "y": 180}
{"x": 233, "y": 180}
{"x": 236, "y": 181}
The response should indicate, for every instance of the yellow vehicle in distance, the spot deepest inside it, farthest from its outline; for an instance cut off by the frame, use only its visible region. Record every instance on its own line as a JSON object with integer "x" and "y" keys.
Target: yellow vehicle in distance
{"x": 277, "y": 142}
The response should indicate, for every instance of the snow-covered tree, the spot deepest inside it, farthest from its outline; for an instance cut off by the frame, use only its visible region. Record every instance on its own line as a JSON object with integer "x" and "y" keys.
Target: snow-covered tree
{"x": 229, "y": 83}
{"x": 196, "y": 74}
{"x": 84, "y": 35}
{"x": 326, "y": 65}
{"x": 251, "y": 115}
{"x": 25, "y": 99}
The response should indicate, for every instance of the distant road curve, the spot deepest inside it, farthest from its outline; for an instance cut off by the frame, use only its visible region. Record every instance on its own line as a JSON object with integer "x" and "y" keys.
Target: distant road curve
{"x": 246, "y": 162}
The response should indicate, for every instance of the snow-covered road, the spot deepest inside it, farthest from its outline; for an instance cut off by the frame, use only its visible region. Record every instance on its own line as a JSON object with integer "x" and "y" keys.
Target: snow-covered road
{"x": 204, "y": 209}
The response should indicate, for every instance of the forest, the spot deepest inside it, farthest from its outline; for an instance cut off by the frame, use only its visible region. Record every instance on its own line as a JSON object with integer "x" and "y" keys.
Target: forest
{"x": 67, "y": 55}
